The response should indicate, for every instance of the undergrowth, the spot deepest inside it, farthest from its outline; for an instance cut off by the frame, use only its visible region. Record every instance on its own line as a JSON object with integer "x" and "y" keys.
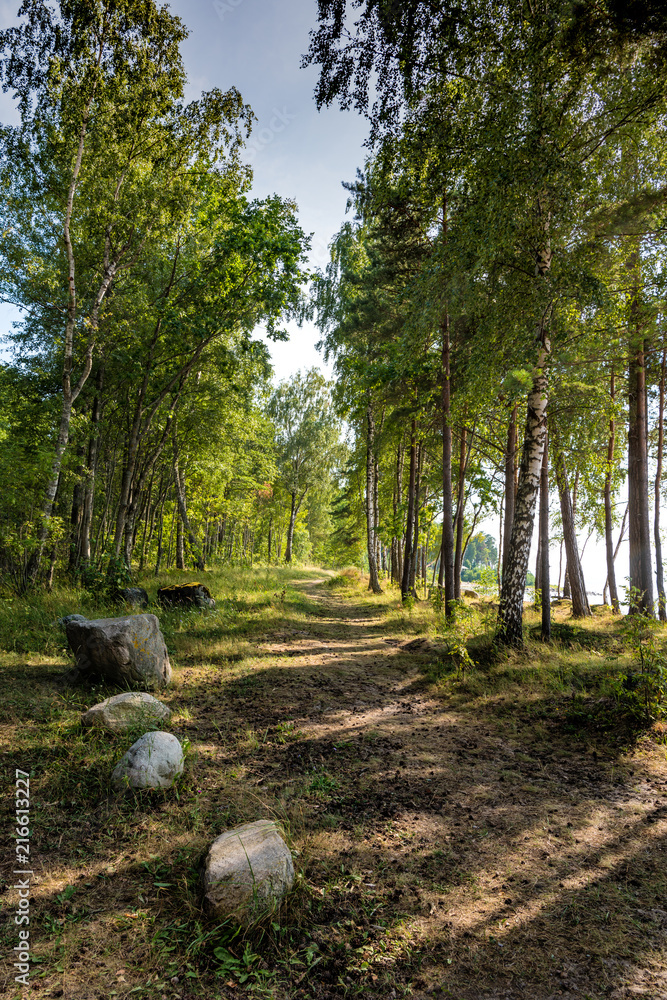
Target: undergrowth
{"x": 122, "y": 873}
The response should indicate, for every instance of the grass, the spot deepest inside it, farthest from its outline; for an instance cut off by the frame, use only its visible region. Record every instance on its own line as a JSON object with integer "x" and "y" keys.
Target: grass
{"x": 418, "y": 792}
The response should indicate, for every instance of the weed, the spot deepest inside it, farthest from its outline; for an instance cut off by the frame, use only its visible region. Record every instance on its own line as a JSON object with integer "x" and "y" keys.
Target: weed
{"x": 642, "y": 687}
{"x": 322, "y": 782}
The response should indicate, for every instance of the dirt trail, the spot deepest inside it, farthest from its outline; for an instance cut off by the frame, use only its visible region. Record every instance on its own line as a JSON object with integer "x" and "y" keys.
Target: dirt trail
{"x": 450, "y": 841}
{"x": 520, "y": 866}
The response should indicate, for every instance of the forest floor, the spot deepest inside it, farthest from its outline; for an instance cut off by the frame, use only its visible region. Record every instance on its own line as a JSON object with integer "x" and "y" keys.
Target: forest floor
{"x": 493, "y": 832}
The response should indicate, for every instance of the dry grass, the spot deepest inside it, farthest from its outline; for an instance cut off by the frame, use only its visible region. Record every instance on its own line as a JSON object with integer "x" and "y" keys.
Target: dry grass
{"x": 495, "y": 830}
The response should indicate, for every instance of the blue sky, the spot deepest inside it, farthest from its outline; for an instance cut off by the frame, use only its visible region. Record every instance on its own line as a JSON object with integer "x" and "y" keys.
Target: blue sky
{"x": 295, "y": 151}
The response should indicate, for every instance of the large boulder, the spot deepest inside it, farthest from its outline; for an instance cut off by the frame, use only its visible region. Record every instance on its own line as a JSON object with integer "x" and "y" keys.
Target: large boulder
{"x": 128, "y": 651}
{"x": 154, "y": 761}
{"x": 188, "y": 595}
{"x": 124, "y": 711}
{"x": 248, "y": 870}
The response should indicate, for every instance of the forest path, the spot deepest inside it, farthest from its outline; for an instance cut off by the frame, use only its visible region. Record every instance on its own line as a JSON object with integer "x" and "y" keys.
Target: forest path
{"x": 519, "y": 861}
{"x": 453, "y": 836}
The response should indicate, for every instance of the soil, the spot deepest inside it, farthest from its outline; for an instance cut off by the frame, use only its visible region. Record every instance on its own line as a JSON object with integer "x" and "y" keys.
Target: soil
{"x": 495, "y": 860}
{"x": 446, "y": 848}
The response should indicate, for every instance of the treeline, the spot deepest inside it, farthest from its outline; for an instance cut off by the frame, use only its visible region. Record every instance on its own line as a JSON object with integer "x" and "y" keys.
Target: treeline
{"x": 496, "y": 309}
{"x": 138, "y": 424}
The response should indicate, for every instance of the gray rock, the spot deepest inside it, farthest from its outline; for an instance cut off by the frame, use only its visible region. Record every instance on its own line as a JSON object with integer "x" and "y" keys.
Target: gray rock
{"x": 248, "y": 870}
{"x": 469, "y": 592}
{"x": 71, "y": 618}
{"x": 126, "y": 710}
{"x": 152, "y": 762}
{"x": 135, "y": 596}
{"x": 128, "y": 651}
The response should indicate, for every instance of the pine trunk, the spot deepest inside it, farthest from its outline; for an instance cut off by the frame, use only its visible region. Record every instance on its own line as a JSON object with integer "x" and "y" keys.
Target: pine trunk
{"x": 396, "y": 552}
{"x": 410, "y": 526}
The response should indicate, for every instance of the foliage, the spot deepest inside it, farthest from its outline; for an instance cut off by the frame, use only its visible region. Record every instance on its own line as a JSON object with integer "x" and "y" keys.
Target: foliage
{"x": 641, "y": 687}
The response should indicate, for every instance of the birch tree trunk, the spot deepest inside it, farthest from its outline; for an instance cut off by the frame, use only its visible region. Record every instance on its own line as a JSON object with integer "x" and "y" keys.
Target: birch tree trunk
{"x": 510, "y": 483}
{"x": 510, "y": 627}
{"x": 180, "y": 544}
{"x": 580, "y": 606}
{"x": 158, "y": 557}
{"x": 294, "y": 510}
{"x": 89, "y": 487}
{"x": 538, "y": 569}
{"x": 195, "y": 548}
{"x": 544, "y": 544}
{"x": 662, "y": 610}
{"x": 69, "y": 393}
{"x": 446, "y": 574}
{"x": 618, "y": 545}
{"x": 76, "y": 514}
{"x": 460, "y": 504}
{"x": 376, "y": 509}
{"x": 510, "y": 612}
{"x": 608, "y": 522}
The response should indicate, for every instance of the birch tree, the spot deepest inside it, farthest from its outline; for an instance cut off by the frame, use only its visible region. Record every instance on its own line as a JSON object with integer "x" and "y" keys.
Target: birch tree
{"x": 93, "y": 169}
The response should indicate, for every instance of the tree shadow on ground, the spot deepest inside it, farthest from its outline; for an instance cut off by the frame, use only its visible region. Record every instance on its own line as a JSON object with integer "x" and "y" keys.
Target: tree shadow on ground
{"x": 442, "y": 845}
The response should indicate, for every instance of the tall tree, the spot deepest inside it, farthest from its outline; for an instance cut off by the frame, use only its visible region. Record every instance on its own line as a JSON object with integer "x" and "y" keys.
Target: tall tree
{"x": 307, "y": 437}
{"x": 104, "y": 139}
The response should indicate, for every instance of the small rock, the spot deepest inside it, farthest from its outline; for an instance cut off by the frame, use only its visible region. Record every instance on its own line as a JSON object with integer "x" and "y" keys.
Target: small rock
{"x": 130, "y": 651}
{"x": 71, "y": 618}
{"x": 126, "y": 710}
{"x": 135, "y": 596}
{"x": 186, "y": 595}
{"x": 469, "y": 592}
{"x": 152, "y": 762}
{"x": 248, "y": 870}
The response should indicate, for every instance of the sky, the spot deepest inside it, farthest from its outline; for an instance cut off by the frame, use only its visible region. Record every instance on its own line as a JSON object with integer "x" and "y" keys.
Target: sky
{"x": 295, "y": 151}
